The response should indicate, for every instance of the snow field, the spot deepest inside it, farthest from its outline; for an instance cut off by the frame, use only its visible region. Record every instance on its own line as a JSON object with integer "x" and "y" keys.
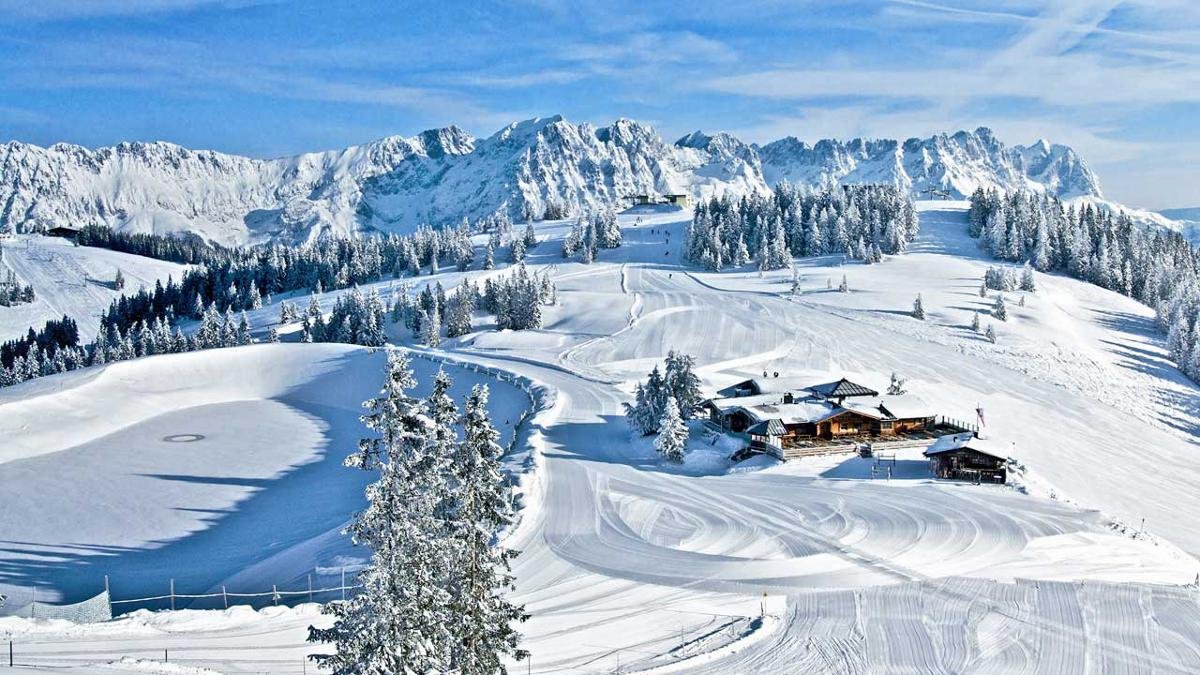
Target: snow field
{"x": 72, "y": 280}
{"x": 257, "y": 500}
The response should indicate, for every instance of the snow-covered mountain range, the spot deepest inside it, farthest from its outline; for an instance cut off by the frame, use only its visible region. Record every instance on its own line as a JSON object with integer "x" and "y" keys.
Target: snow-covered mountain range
{"x": 444, "y": 175}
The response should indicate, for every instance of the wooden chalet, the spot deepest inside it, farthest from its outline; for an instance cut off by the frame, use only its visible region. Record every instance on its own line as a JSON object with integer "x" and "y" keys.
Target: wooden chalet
{"x": 966, "y": 456}
{"x": 824, "y": 412}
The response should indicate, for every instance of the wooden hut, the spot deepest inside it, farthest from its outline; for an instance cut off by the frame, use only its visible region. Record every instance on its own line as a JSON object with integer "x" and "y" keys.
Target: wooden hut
{"x": 966, "y": 456}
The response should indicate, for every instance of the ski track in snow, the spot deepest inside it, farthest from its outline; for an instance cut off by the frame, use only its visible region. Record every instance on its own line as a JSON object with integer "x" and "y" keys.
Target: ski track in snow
{"x": 630, "y": 564}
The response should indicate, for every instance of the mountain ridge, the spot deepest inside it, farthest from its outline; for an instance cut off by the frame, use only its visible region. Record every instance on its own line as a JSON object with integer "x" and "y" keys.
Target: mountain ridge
{"x": 443, "y": 175}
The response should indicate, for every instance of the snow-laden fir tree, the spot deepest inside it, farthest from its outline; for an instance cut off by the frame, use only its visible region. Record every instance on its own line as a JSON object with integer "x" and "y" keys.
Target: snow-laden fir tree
{"x": 1027, "y": 281}
{"x": 431, "y": 329}
{"x": 983, "y": 289}
{"x": 482, "y": 632}
{"x": 975, "y": 321}
{"x": 990, "y": 334}
{"x": 844, "y": 287}
{"x": 999, "y": 309}
{"x": 650, "y": 399}
{"x": 516, "y": 251}
{"x": 400, "y": 621}
{"x": 243, "y": 330}
{"x": 672, "y": 433}
{"x": 896, "y": 386}
{"x": 119, "y": 281}
{"x": 681, "y": 382}
{"x": 461, "y": 308}
{"x": 287, "y": 312}
{"x": 918, "y": 310}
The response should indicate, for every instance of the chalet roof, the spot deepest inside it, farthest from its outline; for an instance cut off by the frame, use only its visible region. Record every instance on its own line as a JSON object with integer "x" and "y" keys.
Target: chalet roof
{"x": 805, "y": 411}
{"x": 967, "y": 441}
{"x": 870, "y": 409}
{"x": 771, "y": 427}
{"x": 906, "y": 407}
{"x": 842, "y": 388}
{"x": 757, "y": 385}
{"x": 732, "y": 402}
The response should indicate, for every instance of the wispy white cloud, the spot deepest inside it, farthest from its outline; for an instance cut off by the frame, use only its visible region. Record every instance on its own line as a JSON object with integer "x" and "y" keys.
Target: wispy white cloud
{"x": 60, "y": 10}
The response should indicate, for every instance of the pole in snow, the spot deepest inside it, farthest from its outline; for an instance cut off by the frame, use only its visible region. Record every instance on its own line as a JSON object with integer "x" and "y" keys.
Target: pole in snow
{"x": 172, "y": 595}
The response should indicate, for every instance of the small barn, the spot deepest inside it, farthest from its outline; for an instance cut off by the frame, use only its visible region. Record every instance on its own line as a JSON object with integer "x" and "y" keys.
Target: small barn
{"x": 966, "y": 456}
{"x": 64, "y": 231}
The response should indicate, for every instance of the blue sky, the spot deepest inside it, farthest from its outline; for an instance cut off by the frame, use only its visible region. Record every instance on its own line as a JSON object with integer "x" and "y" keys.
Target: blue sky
{"x": 1119, "y": 81}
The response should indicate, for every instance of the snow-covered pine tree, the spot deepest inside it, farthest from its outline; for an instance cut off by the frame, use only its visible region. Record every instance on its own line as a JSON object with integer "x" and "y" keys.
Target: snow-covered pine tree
{"x": 896, "y": 387}
{"x": 637, "y": 414}
{"x": 458, "y": 316}
{"x": 400, "y": 621}
{"x": 975, "y": 321}
{"x": 119, "y": 281}
{"x": 672, "y": 433}
{"x": 983, "y": 289}
{"x": 844, "y": 287}
{"x": 1027, "y": 281}
{"x": 682, "y": 383}
{"x": 918, "y": 311}
{"x": 990, "y": 334}
{"x": 516, "y": 251}
{"x": 482, "y": 632}
{"x": 431, "y": 329}
{"x": 999, "y": 309}
{"x": 243, "y": 330}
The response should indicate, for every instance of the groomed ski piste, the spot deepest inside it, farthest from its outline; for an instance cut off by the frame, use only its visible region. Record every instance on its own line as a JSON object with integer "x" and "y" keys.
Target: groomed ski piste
{"x": 1084, "y": 564}
{"x": 75, "y": 281}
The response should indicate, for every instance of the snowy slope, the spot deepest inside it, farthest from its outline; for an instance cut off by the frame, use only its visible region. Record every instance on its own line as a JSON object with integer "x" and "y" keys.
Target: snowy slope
{"x": 74, "y": 281}
{"x": 628, "y": 563}
{"x": 443, "y": 175}
{"x": 118, "y": 485}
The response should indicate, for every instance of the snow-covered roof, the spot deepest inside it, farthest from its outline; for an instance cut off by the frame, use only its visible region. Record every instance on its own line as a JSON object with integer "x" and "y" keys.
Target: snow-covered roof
{"x": 842, "y": 387}
{"x": 744, "y": 401}
{"x": 761, "y": 385}
{"x": 906, "y": 406}
{"x": 803, "y": 411}
{"x": 865, "y": 408}
{"x": 967, "y": 440}
{"x": 771, "y": 427}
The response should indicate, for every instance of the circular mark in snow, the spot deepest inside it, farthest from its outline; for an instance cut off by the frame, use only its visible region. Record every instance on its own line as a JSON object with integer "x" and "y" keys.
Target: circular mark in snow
{"x": 183, "y": 438}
